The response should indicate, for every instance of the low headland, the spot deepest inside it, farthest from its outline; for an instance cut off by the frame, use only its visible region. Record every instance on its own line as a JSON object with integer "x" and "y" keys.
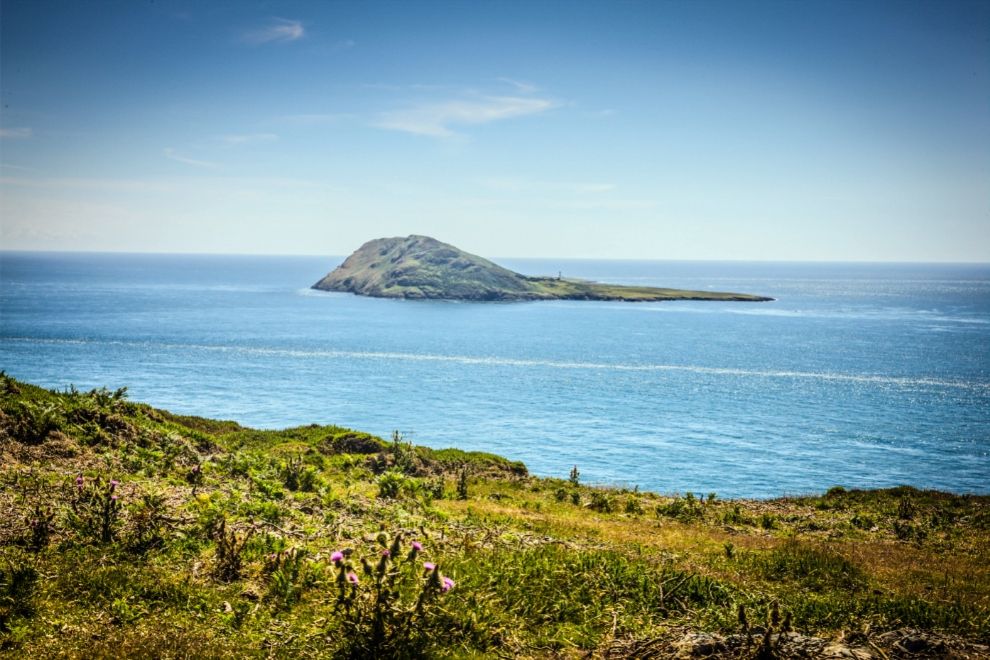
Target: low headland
{"x": 129, "y": 531}
{"x": 423, "y": 267}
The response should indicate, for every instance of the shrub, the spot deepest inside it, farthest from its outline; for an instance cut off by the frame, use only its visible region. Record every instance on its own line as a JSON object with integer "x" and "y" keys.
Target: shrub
{"x": 735, "y": 516}
{"x": 31, "y": 423}
{"x": 462, "y": 484}
{"x": 238, "y": 464}
{"x": 270, "y": 490}
{"x": 433, "y": 489}
{"x": 906, "y": 531}
{"x": 8, "y": 385}
{"x": 352, "y": 442}
{"x": 289, "y": 575}
{"x": 686, "y": 509}
{"x": 863, "y": 521}
{"x": 41, "y": 527}
{"x": 391, "y": 484}
{"x": 601, "y": 502}
{"x": 575, "y": 476}
{"x": 297, "y": 476}
{"x": 147, "y": 521}
{"x": 104, "y": 398}
{"x": 195, "y": 476}
{"x": 390, "y": 609}
{"x": 403, "y": 455}
{"x": 95, "y": 510}
{"x": 229, "y": 552}
{"x": 18, "y": 581}
{"x": 633, "y": 507}
{"x": 905, "y": 508}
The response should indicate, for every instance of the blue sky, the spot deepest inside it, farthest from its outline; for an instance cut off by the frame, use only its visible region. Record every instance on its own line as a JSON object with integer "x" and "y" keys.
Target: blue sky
{"x": 656, "y": 130}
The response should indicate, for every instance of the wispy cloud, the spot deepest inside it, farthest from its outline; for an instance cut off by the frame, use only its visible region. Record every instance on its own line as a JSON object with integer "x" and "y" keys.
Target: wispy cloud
{"x": 166, "y": 185}
{"x": 19, "y": 133}
{"x": 278, "y": 30}
{"x": 236, "y": 140}
{"x": 171, "y": 154}
{"x": 416, "y": 87}
{"x": 103, "y": 185}
{"x": 519, "y": 85}
{"x": 606, "y": 204}
{"x": 344, "y": 44}
{"x": 19, "y": 168}
{"x": 516, "y": 185}
{"x": 436, "y": 119}
{"x": 315, "y": 118}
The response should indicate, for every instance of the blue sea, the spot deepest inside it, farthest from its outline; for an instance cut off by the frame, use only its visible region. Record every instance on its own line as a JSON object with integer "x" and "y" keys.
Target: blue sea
{"x": 863, "y": 375}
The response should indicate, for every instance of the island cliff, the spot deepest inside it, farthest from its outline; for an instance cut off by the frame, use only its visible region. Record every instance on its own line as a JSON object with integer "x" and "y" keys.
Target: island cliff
{"x": 423, "y": 267}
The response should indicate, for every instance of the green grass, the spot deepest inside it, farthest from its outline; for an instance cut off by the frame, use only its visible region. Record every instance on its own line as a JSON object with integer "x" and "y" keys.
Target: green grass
{"x": 220, "y": 545}
{"x": 556, "y": 596}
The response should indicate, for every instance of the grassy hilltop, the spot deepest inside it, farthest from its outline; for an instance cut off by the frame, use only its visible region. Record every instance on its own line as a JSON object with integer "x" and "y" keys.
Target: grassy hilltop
{"x": 423, "y": 267}
{"x": 130, "y": 531}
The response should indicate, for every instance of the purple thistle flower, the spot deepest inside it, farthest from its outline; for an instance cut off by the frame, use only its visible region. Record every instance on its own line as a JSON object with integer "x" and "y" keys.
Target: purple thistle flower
{"x": 448, "y": 584}
{"x": 417, "y": 546}
{"x": 385, "y": 553}
{"x": 113, "y": 484}
{"x": 79, "y": 481}
{"x": 337, "y": 557}
{"x": 352, "y": 578}
{"x": 429, "y": 565}
{"x": 113, "y": 497}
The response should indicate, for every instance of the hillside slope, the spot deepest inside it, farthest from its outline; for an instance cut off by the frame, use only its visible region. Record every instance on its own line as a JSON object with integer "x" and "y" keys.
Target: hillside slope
{"x": 128, "y": 531}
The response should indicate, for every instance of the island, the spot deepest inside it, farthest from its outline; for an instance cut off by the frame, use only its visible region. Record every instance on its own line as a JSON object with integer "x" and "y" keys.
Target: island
{"x": 425, "y": 268}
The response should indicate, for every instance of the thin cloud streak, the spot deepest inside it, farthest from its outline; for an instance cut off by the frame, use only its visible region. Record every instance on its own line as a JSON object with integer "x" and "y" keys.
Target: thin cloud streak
{"x": 171, "y": 154}
{"x": 519, "y": 85}
{"x": 19, "y": 133}
{"x": 516, "y": 185}
{"x": 315, "y": 118}
{"x": 166, "y": 185}
{"x": 105, "y": 185}
{"x": 436, "y": 119}
{"x": 280, "y": 30}
{"x": 236, "y": 140}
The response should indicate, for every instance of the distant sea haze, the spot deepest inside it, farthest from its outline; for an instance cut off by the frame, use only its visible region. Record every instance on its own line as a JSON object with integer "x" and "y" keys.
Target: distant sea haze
{"x": 862, "y": 375}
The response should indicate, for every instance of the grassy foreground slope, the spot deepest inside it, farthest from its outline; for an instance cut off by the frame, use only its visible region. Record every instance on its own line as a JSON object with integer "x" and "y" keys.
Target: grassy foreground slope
{"x": 130, "y": 531}
{"x": 423, "y": 267}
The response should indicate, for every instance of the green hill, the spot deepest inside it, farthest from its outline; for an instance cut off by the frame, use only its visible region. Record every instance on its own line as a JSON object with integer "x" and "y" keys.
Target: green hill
{"x": 423, "y": 267}
{"x": 129, "y": 531}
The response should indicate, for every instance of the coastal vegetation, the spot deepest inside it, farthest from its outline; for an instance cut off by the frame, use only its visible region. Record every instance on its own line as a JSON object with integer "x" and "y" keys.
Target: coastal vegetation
{"x": 423, "y": 267}
{"x": 131, "y": 531}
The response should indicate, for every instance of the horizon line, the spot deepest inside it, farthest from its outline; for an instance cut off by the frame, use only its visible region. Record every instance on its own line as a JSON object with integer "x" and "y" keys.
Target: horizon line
{"x": 542, "y": 258}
